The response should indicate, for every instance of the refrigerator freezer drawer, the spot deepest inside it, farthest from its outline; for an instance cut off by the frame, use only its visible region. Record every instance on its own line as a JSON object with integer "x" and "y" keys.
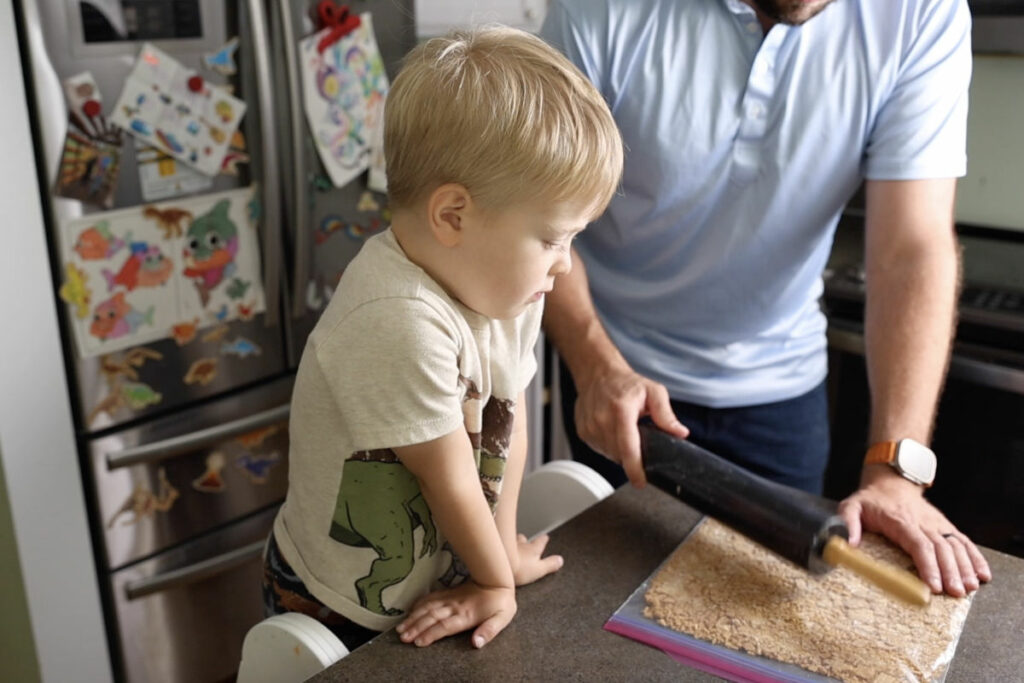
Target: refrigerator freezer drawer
{"x": 182, "y": 615}
{"x": 165, "y": 482}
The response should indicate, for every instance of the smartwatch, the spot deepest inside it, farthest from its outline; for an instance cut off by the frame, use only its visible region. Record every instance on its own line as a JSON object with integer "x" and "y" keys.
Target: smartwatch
{"x": 913, "y": 460}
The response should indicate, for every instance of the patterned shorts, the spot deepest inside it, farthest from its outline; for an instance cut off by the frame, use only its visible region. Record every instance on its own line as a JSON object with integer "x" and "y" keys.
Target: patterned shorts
{"x": 284, "y": 591}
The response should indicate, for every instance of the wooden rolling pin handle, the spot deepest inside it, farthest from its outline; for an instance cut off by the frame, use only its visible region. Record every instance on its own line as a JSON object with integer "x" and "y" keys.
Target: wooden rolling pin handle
{"x": 893, "y": 580}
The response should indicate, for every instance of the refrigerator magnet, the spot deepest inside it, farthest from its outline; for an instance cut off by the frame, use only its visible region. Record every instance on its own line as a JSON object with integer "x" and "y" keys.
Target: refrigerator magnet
{"x": 257, "y": 466}
{"x": 211, "y": 481}
{"x": 142, "y": 502}
{"x": 183, "y": 333}
{"x": 75, "y": 290}
{"x": 241, "y": 347}
{"x": 216, "y": 334}
{"x": 202, "y": 371}
{"x": 256, "y": 437}
{"x": 223, "y": 60}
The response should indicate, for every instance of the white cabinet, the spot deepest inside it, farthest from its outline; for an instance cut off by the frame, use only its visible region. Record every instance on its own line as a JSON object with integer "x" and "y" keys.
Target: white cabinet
{"x": 435, "y": 17}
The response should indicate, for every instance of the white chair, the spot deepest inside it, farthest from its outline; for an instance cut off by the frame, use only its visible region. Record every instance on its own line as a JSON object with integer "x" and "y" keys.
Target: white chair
{"x": 287, "y": 648}
{"x": 556, "y": 492}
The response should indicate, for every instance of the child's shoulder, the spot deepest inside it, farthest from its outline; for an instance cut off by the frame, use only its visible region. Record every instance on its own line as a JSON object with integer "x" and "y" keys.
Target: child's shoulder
{"x": 383, "y": 294}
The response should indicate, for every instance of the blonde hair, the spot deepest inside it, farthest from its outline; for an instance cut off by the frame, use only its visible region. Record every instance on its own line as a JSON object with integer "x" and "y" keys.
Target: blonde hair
{"x": 502, "y": 113}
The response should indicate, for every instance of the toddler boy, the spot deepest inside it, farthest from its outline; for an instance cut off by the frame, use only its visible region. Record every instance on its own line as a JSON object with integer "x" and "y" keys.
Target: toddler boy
{"x": 408, "y": 433}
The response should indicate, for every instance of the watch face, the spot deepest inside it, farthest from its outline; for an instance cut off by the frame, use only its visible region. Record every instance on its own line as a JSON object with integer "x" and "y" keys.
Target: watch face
{"x": 916, "y": 461}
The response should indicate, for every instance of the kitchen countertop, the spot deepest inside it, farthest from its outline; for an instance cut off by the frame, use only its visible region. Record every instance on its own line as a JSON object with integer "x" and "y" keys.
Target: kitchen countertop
{"x": 609, "y": 550}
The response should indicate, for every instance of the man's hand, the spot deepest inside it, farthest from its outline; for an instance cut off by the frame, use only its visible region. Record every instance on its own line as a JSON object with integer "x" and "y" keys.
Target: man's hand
{"x": 896, "y": 508}
{"x": 446, "y": 612}
{"x": 529, "y": 564}
{"x": 608, "y": 405}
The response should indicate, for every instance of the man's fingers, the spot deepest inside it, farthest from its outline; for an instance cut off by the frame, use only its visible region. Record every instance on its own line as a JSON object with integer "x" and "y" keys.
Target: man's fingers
{"x": 850, "y": 510}
{"x": 659, "y": 407}
{"x": 629, "y": 452}
{"x": 968, "y": 575}
{"x": 981, "y": 567}
{"x": 949, "y": 567}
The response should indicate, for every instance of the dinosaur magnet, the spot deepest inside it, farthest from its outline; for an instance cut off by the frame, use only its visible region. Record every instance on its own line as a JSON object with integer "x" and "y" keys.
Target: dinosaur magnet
{"x": 143, "y": 503}
{"x": 257, "y": 466}
{"x": 241, "y": 347}
{"x": 169, "y": 220}
{"x": 216, "y": 334}
{"x": 223, "y": 60}
{"x": 185, "y": 332}
{"x": 211, "y": 481}
{"x": 202, "y": 372}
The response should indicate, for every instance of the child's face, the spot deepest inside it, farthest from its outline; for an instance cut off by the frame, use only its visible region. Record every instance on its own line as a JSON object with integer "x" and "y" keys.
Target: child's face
{"x": 512, "y": 256}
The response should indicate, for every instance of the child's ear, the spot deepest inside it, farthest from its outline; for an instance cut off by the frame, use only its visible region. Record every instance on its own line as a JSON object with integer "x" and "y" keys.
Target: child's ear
{"x": 447, "y": 207}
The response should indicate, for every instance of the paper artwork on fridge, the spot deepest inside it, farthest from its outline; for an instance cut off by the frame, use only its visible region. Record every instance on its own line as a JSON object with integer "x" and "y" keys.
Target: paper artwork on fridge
{"x": 343, "y": 91}
{"x": 176, "y": 110}
{"x": 145, "y": 272}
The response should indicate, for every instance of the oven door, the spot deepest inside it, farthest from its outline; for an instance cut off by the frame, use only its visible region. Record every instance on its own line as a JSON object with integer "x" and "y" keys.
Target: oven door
{"x": 182, "y": 615}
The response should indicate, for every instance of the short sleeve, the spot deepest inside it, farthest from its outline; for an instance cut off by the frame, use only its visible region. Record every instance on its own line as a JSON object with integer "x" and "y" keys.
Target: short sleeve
{"x": 921, "y": 129}
{"x": 392, "y": 366}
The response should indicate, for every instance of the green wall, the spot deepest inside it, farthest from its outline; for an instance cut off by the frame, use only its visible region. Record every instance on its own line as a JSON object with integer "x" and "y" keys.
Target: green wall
{"x": 17, "y": 649}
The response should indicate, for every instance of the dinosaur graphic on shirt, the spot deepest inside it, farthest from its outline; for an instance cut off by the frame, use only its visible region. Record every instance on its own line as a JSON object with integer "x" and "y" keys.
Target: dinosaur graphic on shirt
{"x": 380, "y": 505}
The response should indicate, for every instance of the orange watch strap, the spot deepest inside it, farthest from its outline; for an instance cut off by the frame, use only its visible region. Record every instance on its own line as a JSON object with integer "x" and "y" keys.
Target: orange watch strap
{"x": 882, "y": 453}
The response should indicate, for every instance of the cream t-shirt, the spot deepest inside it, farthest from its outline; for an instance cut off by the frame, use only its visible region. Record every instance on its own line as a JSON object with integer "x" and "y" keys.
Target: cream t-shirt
{"x": 393, "y": 361}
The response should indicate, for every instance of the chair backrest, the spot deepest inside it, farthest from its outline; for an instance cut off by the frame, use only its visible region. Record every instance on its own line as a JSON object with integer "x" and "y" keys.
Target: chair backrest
{"x": 556, "y": 492}
{"x": 287, "y": 648}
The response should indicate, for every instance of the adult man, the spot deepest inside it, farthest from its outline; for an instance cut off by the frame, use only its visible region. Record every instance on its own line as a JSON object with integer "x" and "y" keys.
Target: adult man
{"x": 747, "y": 126}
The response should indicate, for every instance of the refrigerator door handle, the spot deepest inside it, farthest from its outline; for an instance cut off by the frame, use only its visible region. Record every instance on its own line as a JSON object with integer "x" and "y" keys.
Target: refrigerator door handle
{"x": 270, "y": 159}
{"x": 193, "y": 572}
{"x": 297, "y": 198}
{"x": 159, "y": 450}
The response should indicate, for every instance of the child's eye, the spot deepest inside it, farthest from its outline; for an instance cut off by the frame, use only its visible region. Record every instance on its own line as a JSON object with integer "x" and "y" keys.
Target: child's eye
{"x": 557, "y": 244}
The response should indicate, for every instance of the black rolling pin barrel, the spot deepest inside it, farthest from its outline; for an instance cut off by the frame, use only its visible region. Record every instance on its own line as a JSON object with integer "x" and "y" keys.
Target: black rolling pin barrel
{"x": 792, "y": 523}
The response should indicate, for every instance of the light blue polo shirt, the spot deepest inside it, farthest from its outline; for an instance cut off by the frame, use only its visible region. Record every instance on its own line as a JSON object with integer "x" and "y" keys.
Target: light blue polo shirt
{"x": 741, "y": 150}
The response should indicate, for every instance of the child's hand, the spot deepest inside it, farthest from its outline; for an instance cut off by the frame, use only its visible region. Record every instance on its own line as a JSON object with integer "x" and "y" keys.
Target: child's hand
{"x": 529, "y": 565}
{"x": 445, "y": 612}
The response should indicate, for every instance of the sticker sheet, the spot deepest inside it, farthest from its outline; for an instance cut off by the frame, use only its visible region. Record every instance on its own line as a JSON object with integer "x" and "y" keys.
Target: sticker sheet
{"x": 343, "y": 91}
{"x": 175, "y": 110}
{"x": 139, "y": 274}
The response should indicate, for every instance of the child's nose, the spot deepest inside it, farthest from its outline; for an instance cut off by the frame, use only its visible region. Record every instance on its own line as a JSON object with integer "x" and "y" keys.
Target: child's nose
{"x": 563, "y": 265}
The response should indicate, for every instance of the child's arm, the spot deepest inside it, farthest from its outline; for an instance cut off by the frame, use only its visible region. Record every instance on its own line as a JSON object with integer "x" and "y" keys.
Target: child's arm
{"x": 524, "y": 556}
{"x": 450, "y": 484}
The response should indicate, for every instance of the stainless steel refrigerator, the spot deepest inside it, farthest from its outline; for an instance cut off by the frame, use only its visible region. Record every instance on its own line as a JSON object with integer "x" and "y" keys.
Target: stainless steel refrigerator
{"x": 183, "y": 441}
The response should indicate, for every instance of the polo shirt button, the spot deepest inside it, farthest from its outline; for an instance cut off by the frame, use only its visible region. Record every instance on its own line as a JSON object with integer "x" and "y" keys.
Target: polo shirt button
{"x": 753, "y": 27}
{"x": 756, "y": 111}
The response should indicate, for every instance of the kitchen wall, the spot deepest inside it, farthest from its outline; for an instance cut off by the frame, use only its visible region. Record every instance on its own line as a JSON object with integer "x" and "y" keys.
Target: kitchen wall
{"x": 17, "y": 648}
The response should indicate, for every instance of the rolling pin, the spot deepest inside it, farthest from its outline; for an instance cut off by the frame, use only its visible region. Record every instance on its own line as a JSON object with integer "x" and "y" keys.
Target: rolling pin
{"x": 796, "y": 525}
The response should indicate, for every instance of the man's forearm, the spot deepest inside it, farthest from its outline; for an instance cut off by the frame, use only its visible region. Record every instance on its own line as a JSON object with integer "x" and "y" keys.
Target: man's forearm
{"x": 571, "y": 323}
{"x": 912, "y": 285}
